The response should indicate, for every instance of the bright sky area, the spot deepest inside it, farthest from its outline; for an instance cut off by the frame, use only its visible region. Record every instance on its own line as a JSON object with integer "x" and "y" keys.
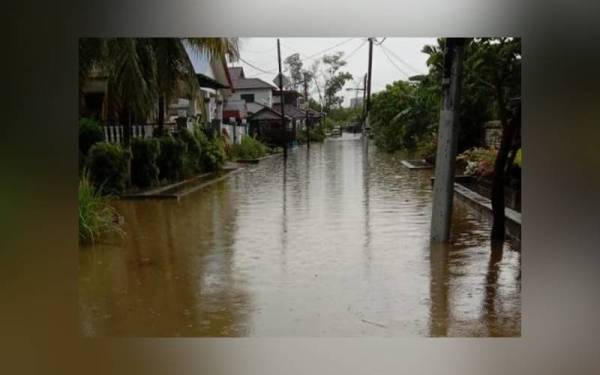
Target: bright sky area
{"x": 395, "y": 59}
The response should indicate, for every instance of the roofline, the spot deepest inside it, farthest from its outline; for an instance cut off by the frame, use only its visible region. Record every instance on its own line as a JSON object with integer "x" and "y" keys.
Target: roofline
{"x": 231, "y": 86}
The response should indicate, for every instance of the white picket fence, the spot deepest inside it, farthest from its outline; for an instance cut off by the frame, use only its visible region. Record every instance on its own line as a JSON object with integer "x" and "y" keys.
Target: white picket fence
{"x": 115, "y": 133}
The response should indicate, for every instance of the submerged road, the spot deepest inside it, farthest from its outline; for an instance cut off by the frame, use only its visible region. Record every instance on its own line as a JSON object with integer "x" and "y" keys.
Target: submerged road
{"x": 333, "y": 242}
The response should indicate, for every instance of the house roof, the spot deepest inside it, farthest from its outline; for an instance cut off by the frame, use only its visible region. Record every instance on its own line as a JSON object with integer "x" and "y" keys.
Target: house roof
{"x": 286, "y": 92}
{"x": 251, "y": 83}
{"x": 240, "y": 81}
{"x": 236, "y": 72}
{"x": 289, "y": 110}
{"x": 206, "y": 81}
{"x": 267, "y": 113}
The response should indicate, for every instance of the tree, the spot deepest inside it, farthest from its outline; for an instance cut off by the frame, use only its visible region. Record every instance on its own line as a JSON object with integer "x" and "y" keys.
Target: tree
{"x": 386, "y": 110}
{"x": 141, "y": 72}
{"x": 144, "y": 72}
{"x": 293, "y": 65}
{"x": 492, "y": 76}
{"x": 334, "y": 80}
{"x": 497, "y": 63}
{"x": 175, "y": 72}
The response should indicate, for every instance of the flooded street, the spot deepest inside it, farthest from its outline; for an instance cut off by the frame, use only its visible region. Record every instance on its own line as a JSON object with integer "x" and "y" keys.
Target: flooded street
{"x": 334, "y": 242}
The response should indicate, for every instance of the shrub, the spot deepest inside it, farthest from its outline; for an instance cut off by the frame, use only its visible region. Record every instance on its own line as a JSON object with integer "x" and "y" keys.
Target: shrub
{"x": 171, "y": 159}
{"x": 108, "y": 167}
{"x": 90, "y": 132}
{"x": 96, "y": 216}
{"x": 249, "y": 148}
{"x": 212, "y": 150}
{"x": 144, "y": 167}
{"x": 519, "y": 159}
{"x": 480, "y": 161}
{"x": 427, "y": 147}
{"x": 192, "y": 162}
{"x": 317, "y": 133}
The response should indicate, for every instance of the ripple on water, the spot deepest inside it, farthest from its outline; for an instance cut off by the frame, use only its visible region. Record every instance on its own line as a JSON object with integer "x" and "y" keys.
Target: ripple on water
{"x": 334, "y": 242}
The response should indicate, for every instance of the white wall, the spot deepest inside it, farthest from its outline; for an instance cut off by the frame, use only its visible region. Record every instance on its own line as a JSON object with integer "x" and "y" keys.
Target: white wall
{"x": 262, "y": 96}
{"x": 241, "y": 131}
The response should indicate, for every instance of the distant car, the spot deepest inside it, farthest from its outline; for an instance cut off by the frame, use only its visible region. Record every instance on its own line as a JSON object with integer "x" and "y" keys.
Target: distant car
{"x": 336, "y": 132}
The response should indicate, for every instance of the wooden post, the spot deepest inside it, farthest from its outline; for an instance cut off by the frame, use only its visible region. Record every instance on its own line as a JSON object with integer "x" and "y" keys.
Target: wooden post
{"x": 306, "y": 113}
{"x": 283, "y": 127}
{"x": 368, "y": 105}
{"x": 443, "y": 188}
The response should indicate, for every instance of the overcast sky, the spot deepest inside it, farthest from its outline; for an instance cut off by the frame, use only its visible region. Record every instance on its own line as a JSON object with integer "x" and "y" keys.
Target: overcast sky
{"x": 396, "y": 58}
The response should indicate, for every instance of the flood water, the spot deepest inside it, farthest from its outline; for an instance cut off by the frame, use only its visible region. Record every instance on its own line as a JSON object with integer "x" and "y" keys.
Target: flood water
{"x": 334, "y": 242}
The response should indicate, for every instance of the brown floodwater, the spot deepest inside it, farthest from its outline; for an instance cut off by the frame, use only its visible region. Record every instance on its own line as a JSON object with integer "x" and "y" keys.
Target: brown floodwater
{"x": 333, "y": 242}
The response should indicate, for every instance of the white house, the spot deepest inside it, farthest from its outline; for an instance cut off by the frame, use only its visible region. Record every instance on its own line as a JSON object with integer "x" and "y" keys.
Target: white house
{"x": 254, "y": 91}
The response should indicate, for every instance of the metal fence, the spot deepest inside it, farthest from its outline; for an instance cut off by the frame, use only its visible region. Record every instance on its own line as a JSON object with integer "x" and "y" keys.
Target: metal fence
{"x": 114, "y": 133}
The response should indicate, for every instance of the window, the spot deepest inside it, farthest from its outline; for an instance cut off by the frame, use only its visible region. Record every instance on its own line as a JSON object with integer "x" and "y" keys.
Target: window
{"x": 248, "y": 98}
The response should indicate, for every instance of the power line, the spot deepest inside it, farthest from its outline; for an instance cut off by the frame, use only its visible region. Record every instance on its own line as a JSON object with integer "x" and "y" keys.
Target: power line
{"x": 401, "y": 60}
{"x": 257, "y": 68}
{"x": 393, "y": 63}
{"x": 252, "y": 51}
{"x": 315, "y": 55}
{"x": 355, "y": 50}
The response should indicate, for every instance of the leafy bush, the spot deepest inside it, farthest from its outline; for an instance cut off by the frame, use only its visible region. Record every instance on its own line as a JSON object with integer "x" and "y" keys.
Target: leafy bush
{"x": 212, "y": 151}
{"x": 171, "y": 159}
{"x": 90, "y": 132}
{"x": 193, "y": 158}
{"x": 317, "y": 134}
{"x": 108, "y": 167}
{"x": 480, "y": 161}
{"x": 249, "y": 148}
{"x": 144, "y": 167}
{"x": 519, "y": 159}
{"x": 427, "y": 147}
{"x": 96, "y": 216}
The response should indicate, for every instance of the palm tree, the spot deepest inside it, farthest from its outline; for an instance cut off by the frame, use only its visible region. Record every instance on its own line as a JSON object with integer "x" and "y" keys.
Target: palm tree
{"x": 143, "y": 71}
{"x": 130, "y": 68}
{"x": 175, "y": 71}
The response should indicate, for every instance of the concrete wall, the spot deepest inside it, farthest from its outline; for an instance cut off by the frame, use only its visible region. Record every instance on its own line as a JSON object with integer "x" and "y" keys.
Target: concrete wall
{"x": 492, "y": 133}
{"x": 262, "y": 96}
{"x": 240, "y": 132}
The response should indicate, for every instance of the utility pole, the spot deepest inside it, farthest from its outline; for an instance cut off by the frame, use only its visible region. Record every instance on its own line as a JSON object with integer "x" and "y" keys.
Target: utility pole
{"x": 283, "y": 127}
{"x": 363, "y": 89}
{"x": 306, "y": 113}
{"x": 443, "y": 188}
{"x": 364, "y": 104}
{"x": 368, "y": 107}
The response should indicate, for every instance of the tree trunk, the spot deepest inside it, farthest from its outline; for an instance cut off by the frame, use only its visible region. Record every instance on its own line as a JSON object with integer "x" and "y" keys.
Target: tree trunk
{"x": 510, "y": 128}
{"x": 161, "y": 114}
{"x": 127, "y": 137}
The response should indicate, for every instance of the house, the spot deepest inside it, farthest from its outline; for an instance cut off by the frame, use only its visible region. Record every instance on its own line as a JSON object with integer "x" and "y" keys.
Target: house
{"x": 263, "y": 108}
{"x": 205, "y": 107}
{"x": 255, "y": 92}
{"x": 267, "y": 125}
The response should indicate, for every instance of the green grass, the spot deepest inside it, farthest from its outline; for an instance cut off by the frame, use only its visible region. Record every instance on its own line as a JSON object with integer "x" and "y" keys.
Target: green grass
{"x": 249, "y": 148}
{"x": 96, "y": 216}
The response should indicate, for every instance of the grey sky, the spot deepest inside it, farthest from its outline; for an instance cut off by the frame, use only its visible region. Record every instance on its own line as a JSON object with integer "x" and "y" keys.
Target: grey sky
{"x": 404, "y": 53}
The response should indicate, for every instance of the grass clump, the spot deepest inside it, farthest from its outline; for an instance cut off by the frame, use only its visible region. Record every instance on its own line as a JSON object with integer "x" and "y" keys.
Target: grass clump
{"x": 108, "y": 167}
{"x": 249, "y": 148}
{"x": 96, "y": 216}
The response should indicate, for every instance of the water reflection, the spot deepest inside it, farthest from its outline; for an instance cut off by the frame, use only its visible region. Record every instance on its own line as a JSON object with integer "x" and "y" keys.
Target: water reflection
{"x": 331, "y": 242}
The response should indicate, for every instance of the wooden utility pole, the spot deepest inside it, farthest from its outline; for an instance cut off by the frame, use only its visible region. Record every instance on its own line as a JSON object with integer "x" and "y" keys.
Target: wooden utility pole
{"x": 443, "y": 188}
{"x": 364, "y": 103}
{"x": 368, "y": 106}
{"x": 509, "y": 132}
{"x": 283, "y": 127}
{"x": 306, "y": 113}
